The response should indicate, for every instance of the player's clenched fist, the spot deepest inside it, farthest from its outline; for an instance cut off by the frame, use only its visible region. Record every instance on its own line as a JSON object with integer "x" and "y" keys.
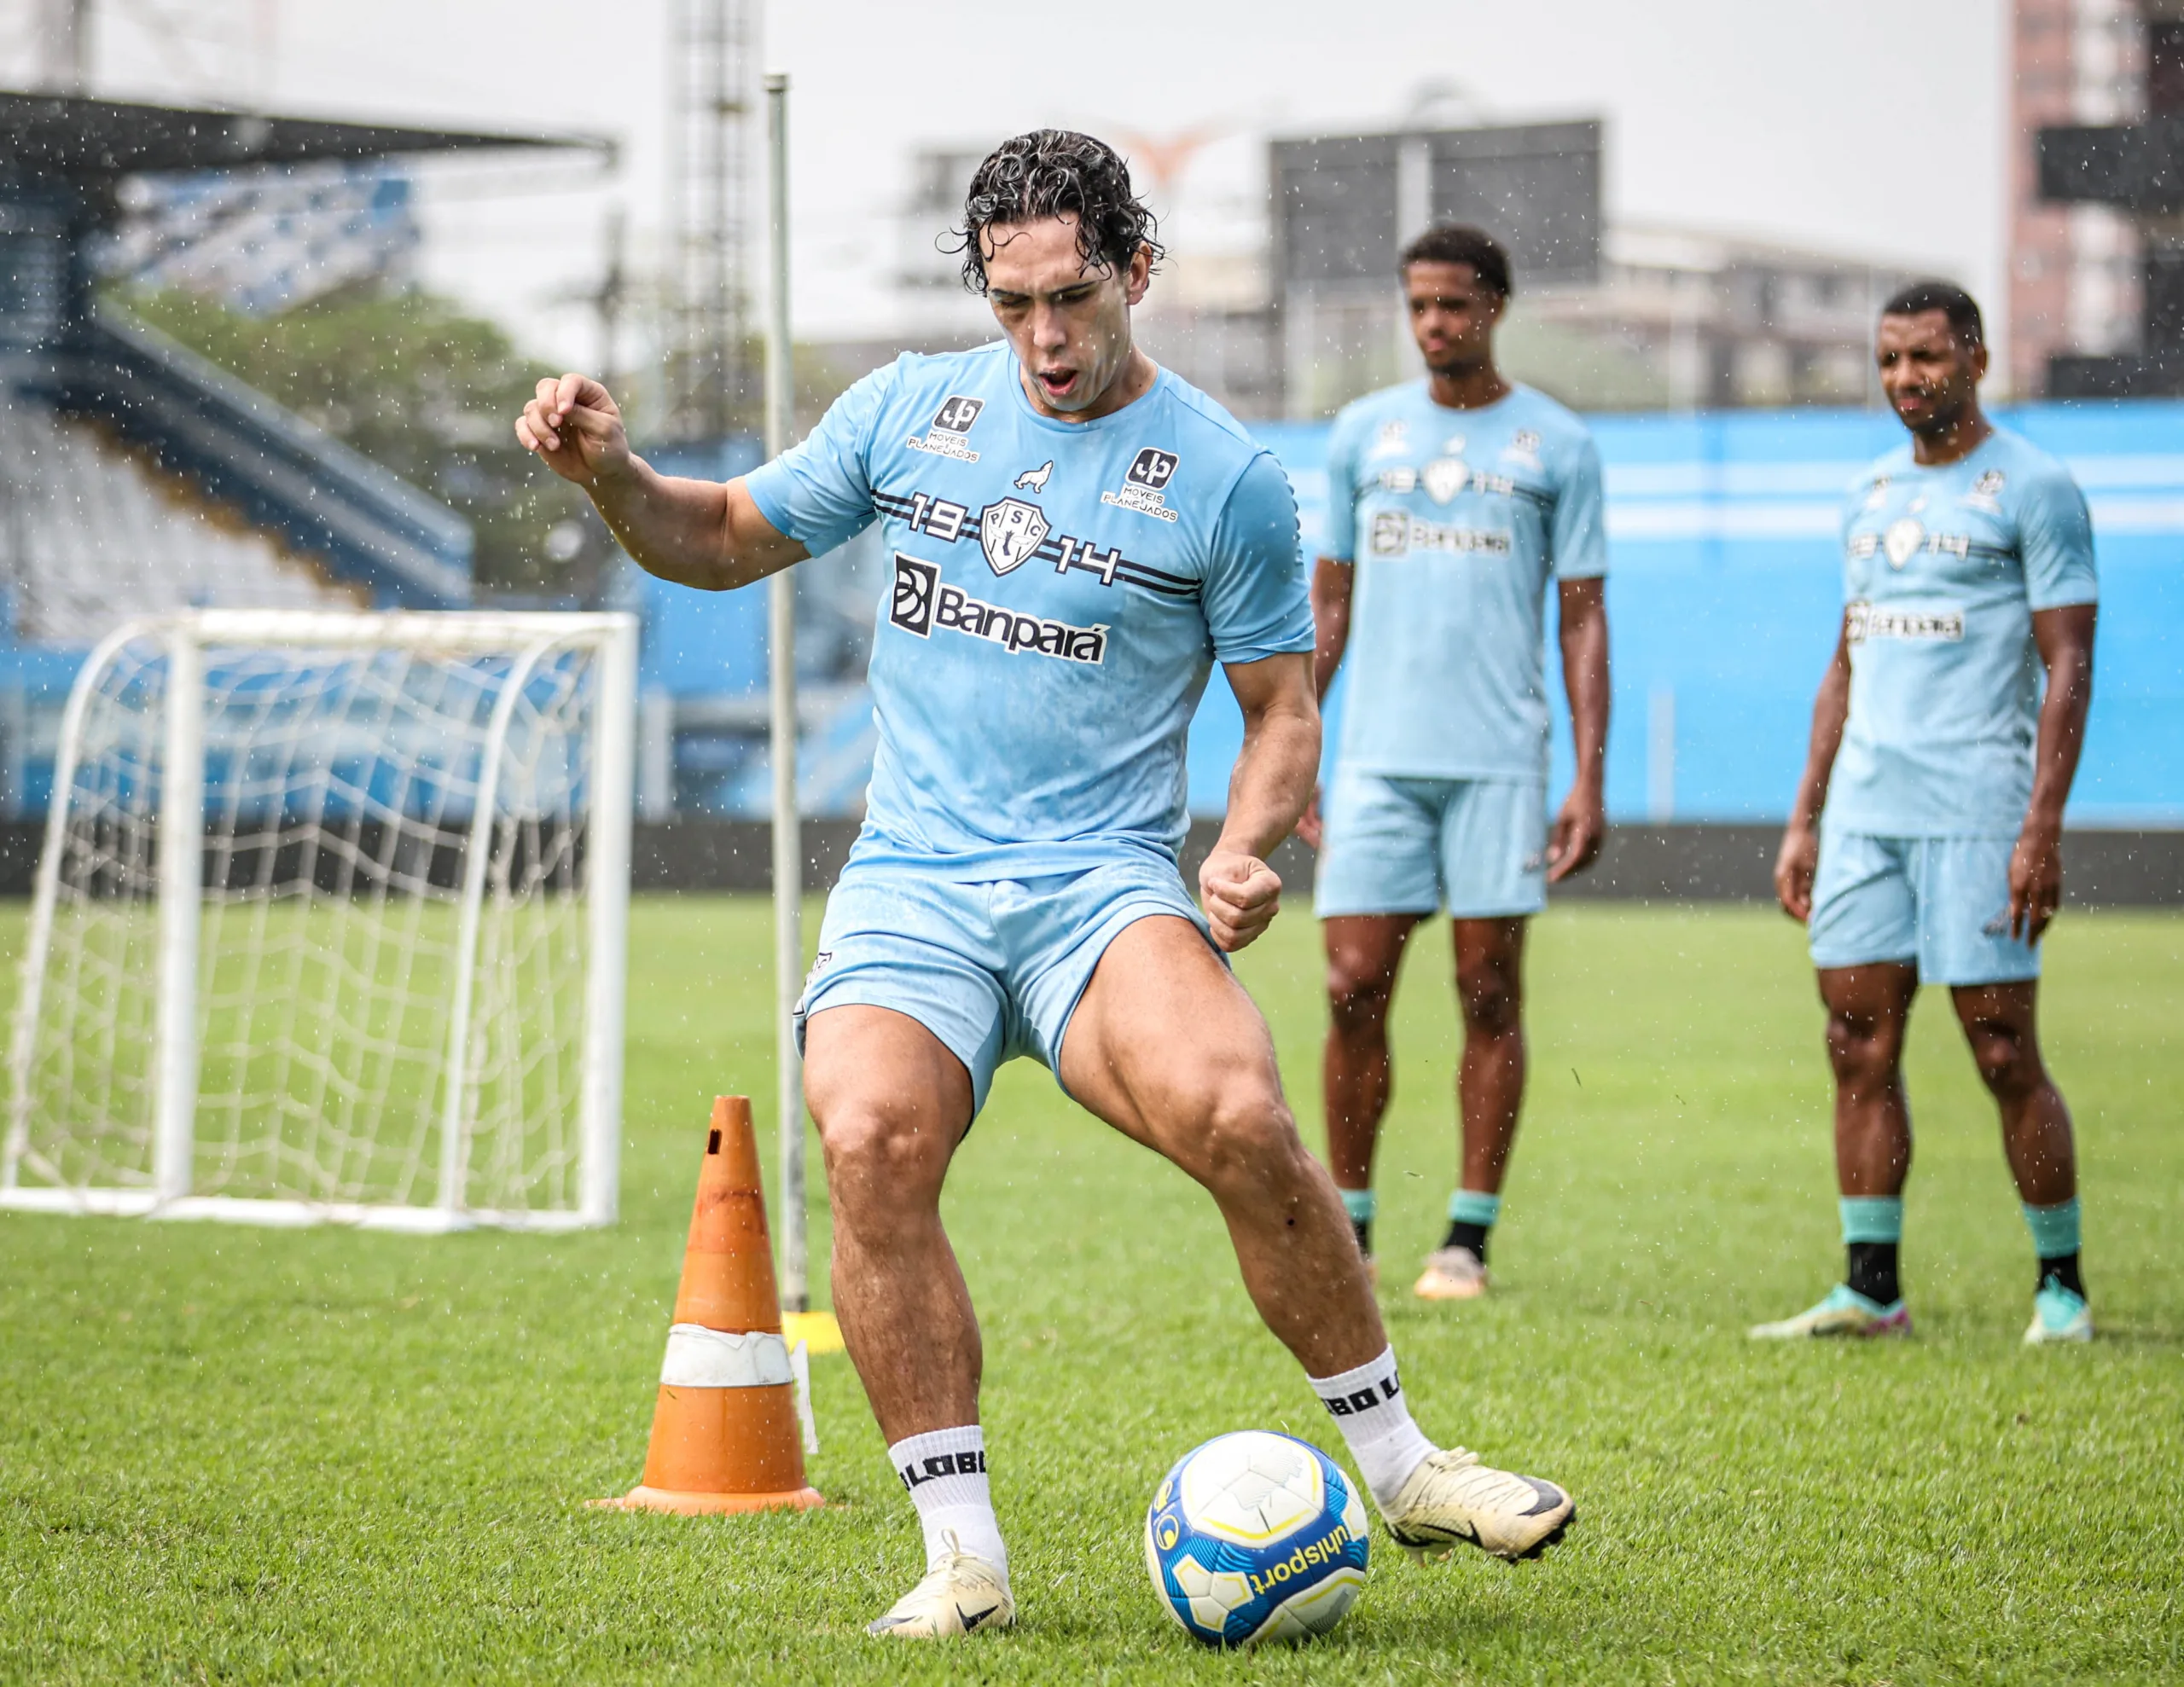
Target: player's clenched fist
{"x": 574, "y": 426}
{"x": 1240, "y": 894}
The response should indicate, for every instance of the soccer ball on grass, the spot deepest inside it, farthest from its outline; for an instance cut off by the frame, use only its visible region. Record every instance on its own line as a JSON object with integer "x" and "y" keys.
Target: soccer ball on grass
{"x": 1256, "y": 1537}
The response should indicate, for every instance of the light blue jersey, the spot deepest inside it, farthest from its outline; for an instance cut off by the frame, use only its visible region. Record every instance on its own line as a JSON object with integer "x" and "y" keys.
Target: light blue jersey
{"x": 1942, "y": 568}
{"x": 1455, "y": 521}
{"x": 1058, "y": 591}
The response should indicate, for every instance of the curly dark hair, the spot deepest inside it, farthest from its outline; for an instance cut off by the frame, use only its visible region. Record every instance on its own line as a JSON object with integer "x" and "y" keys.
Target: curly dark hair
{"x": 1457, "y": 243}
{"x": 1057, "y": 173}
{"x": 1946, "y": 296}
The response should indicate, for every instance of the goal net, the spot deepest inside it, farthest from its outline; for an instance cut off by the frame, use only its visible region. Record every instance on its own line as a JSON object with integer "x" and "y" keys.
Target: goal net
{"x": 330, "y": 924}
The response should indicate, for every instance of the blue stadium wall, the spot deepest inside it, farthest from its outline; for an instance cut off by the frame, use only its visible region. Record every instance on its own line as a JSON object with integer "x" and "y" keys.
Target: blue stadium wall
{"x": 1725, "y": 593}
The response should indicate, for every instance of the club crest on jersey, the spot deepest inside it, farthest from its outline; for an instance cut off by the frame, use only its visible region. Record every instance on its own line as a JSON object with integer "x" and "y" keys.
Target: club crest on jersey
{"x": 1009, "y": 531}
{"x": 1144, "y": 486}
{"x": 943, "y": 434}
{"x": 1903, "y": 537}
{"x": 1444, "y": 477}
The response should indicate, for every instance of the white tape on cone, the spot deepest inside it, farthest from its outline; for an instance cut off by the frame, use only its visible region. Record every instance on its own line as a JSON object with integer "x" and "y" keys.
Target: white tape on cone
{"x": 699, "y": 1357}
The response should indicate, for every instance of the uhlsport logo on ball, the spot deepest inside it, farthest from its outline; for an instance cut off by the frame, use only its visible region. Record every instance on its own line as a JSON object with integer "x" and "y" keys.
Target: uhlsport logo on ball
{"x": 1256, "y": 1537}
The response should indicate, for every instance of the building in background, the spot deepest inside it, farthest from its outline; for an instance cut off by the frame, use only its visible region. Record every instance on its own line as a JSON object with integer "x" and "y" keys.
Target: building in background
{"x": 1344, "y": 205}
{"x": 2076, "y": 277}
{"x": 1607, "y": 317}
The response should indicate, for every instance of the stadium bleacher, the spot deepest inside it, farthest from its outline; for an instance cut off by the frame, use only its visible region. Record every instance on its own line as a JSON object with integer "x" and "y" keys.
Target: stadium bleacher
{"x": 97, "y": 532}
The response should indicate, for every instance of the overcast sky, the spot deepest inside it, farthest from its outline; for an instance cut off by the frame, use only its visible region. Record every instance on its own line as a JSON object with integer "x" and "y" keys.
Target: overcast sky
{"x": 1874, "y": 127}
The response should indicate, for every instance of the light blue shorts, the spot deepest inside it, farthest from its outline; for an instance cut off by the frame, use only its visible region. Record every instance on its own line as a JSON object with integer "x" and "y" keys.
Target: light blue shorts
{"x": 993, "y": 969}
{"x": 1939, "y": 904}
{"x": 1477, "y": 847}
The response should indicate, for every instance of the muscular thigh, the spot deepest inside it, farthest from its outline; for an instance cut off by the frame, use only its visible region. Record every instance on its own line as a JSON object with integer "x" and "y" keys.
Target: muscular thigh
{"x": 880, "y": 1085}
{"x": 1164, "y": 1036}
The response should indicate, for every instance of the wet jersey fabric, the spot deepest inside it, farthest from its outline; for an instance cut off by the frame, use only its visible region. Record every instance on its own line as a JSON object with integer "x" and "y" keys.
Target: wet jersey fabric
{"x": 1942, "y": 568}
{"x": 1455, "y": 521}
{"x": 1057, "y": 593}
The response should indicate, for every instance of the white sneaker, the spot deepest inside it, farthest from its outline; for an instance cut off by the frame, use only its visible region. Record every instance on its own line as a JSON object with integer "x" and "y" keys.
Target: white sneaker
{"x": 2058, "y": 1315}
{"x": 1451, "y": 1274}
{"x": 959, "y": 1595}
{"x": 1452, "y": 1497}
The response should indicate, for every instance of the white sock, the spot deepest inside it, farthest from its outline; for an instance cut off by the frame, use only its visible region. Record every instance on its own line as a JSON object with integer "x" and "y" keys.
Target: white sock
{"x": 1368, "y": 1405}
{"x": 945, "y": 1472}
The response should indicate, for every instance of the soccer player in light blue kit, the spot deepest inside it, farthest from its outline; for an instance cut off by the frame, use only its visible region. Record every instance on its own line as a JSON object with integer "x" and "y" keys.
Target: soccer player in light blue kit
{"x": 1454, "y": 503}
{"x": 1076, "y": 536}
{"x": 1925, "y": 844}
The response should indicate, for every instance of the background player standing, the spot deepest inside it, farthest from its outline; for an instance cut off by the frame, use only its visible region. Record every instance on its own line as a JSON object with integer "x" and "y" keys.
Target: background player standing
{"x": 1453, "y": 501}
{"x": 1925, "y": 843}
{"x": 1076, "y": 536}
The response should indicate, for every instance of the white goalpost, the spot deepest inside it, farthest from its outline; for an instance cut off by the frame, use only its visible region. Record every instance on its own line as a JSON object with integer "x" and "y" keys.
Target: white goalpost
{"x": 330, "y": 924}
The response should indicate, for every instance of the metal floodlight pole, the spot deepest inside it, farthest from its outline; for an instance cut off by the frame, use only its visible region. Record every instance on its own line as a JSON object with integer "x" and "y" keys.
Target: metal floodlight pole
{"x": 781, "y": 621}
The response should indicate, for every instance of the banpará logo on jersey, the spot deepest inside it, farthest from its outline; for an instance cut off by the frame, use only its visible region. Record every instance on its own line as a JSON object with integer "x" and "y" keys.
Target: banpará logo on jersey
{"x": 1145, "y": 487}
{"x": 1862, "y": 621}
{"x": 943, "y": 434}
{"x": 1399, "y": 533}
{"x": 920, "y": 604}
{"x": 1009, "y": 531}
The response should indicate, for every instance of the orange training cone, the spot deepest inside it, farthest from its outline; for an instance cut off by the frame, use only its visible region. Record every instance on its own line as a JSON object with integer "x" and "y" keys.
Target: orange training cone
{"x": 725, "y": 1435}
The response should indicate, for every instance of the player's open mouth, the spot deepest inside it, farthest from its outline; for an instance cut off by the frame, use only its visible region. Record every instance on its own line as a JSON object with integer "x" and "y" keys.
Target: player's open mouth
{"x": 1058, "y": 382}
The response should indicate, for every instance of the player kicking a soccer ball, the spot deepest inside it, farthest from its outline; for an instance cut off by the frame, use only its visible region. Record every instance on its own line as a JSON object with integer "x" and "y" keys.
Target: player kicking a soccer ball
{"x": 1925, "y": 844}
{"x": 1075, "y": 536}
{"x": 1452, "y": 503}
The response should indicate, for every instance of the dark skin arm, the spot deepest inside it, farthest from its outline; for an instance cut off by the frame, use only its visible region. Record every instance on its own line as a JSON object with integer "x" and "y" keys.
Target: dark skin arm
{"x": 1799, "y": 856}
{"x": 2063, "y": 638}
{"x": 1581, "y": 826}
{"x": 1331, "y": 584}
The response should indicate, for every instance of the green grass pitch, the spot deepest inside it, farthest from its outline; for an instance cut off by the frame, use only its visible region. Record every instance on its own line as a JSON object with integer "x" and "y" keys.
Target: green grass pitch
{"x": 233, "y": 1454}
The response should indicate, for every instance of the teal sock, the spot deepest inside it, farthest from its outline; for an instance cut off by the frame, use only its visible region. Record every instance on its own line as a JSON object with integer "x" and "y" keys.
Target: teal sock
{"x": 2055, "y": 1229}
{"x": 1361, "y": 1204}
{"x": 1472, "y": 1214}
{"x": 1876, "y": 1218}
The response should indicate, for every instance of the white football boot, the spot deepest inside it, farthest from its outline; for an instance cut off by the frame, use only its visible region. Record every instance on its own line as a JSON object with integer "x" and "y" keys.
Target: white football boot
{"x": 2058, "y": 1315}
{"x": 1451, "y": 1274}
{"x": 1451, "y": 1497}
{"x": 959, "y": 1595}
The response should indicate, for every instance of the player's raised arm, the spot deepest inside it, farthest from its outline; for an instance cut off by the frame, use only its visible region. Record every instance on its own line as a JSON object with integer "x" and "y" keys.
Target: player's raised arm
{"x": 696, "y": 533}
{"x": 1267, "y": 793}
